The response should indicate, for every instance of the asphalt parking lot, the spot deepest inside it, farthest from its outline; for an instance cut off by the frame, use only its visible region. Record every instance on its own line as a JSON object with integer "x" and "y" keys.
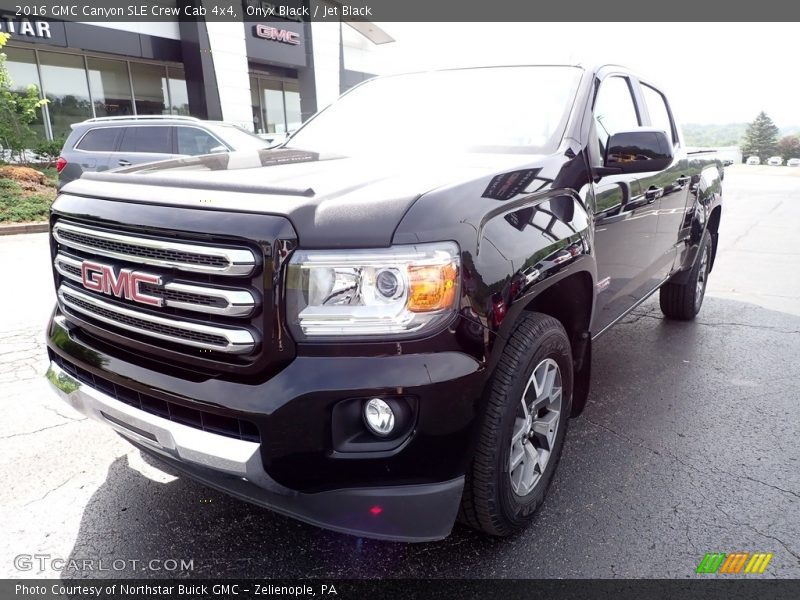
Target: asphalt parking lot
{"x": 689, "y": 445}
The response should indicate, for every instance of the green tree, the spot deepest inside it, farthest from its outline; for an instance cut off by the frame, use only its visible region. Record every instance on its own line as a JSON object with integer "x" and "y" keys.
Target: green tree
{"x": 760, "y": 138}
{"x": 788, "y": 147}
{"x": 17, "y": 110}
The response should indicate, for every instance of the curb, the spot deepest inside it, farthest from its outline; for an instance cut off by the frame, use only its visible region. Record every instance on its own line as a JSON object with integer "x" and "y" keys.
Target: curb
{"x": 14, "y": 229}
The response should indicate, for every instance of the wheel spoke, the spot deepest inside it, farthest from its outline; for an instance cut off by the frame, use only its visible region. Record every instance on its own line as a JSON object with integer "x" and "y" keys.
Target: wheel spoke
{"x": 542, "y": 457}
{"x": 516, "y": 458}
{"x": 555, "y": 395}
{"x": 546, "y": 427}
{"x": 524, "y": 402}
{"x": 550, "y": 379}
{"x": 520, "y": 429}
{"x": 516, "y": 478}
{"x": 535, "y": 427}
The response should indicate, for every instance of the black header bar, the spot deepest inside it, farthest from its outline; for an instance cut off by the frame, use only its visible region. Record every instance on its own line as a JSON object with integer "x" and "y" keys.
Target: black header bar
{"x": 403, "y": 10}
{"x": 733, "y": 588}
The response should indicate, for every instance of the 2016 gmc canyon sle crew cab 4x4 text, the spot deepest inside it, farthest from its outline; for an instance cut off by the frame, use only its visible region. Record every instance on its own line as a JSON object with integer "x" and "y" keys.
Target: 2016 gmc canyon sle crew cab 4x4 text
{"x": 385, "y": 323}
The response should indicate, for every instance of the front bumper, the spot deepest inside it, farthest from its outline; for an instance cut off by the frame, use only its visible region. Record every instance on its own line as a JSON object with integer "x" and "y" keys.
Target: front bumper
{"x": 410, "y": 513}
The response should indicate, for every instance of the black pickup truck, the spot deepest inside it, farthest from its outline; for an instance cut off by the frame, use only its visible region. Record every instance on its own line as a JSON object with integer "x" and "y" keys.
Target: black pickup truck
{"x": 385, "y": 324}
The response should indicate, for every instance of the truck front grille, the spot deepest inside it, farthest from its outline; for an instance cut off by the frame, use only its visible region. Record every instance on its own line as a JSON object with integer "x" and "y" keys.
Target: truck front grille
{"x": 197, "y": 296}
{"x": 199, "y": 419}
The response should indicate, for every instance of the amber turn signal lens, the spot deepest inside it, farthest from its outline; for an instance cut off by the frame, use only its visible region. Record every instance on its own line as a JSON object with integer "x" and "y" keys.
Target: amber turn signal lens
{"x": 432, "y": 287}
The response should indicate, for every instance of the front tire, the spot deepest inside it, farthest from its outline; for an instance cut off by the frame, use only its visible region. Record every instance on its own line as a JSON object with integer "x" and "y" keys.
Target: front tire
{"x": 523, "y": 430}
{"x": 682, "y": 301}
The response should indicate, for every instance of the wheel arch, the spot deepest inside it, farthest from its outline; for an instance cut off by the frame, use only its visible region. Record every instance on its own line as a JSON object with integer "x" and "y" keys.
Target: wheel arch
{"x": 570, "y": 301}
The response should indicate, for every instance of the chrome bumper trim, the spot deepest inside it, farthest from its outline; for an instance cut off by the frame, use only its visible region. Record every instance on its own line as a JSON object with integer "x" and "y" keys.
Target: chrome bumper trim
{"x": 220, "y": 453}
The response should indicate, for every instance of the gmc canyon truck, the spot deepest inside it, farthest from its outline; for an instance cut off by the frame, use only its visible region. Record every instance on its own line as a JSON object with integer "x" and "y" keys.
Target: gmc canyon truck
{"x": 384, "y": 324}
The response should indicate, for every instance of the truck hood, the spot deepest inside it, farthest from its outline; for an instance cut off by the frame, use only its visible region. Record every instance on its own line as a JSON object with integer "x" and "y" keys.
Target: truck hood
{"x": 332, "y": 201}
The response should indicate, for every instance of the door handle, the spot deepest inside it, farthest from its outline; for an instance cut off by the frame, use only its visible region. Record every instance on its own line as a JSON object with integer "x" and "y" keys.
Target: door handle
{"x": 124, "y": 163}
{"x": 652, "y": 193}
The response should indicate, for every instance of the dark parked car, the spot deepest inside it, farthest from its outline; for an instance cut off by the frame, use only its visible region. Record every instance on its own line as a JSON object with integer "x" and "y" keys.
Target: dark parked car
{"x": 111, "y": 142}
{"x": 374, "y": 332}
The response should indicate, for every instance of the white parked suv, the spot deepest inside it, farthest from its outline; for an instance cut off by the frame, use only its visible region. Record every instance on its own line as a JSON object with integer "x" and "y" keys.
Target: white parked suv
{"x": 753, "y": 160}
{"x": 775, "y": 161}
{"x": 793, "y": 162}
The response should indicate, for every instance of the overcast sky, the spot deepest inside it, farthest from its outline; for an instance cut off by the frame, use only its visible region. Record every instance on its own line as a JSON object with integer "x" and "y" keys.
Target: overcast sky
{"x": 712, "y": 72}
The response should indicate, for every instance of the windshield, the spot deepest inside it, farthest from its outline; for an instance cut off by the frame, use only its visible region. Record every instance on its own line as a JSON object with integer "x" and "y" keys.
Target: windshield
{"x": 238, "y": 138}
{"x": 499, "y": 109}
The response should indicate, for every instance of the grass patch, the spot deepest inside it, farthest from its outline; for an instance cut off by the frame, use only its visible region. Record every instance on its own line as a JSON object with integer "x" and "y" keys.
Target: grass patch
{"x": 26, "y": 201}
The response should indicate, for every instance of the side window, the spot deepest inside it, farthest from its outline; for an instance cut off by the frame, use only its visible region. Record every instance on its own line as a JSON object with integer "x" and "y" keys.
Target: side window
{"x": 99, "y": 140}
{"x": 614, "y": 109}
{"x": 659, "y": 113}
{"x": 152, "y": 139}
{"x": 194, "y": 141}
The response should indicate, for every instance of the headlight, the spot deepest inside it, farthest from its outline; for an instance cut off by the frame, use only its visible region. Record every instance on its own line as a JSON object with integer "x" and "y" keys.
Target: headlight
{"x": 399, "y": 290}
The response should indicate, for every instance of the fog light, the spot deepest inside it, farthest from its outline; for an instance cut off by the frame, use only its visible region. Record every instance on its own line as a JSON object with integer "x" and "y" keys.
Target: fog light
{"x": 379, "y": 417}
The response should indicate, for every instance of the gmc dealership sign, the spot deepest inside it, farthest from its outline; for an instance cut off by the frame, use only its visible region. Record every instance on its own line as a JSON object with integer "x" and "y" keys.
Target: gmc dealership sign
{"x": 274, "y": 34}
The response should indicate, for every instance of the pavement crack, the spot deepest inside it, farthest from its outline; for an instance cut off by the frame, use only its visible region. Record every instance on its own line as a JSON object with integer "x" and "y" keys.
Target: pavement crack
{"x": 753, "y": 479}
{"x": 51, "y": 490}
{"x": 689, "y": 465}
{"x": 622, "y": 437}
{"x": 63, "y": 416}
{"x": 651, "y": 315}
{"x": 24, "y": 433}
{"x": 748, "y": 325}
{"x": 759, "y": 532}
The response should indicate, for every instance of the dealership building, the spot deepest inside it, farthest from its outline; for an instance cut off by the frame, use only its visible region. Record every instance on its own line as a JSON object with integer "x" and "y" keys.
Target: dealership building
{"x": 266, "y": 76}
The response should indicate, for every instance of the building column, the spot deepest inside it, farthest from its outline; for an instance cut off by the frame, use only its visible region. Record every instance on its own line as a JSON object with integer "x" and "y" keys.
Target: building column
{"x": 201, "y": 79}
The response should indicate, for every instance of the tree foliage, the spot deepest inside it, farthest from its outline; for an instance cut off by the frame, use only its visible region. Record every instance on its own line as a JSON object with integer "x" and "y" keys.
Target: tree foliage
{"x": 713, "y": 135}
{"x": 788, "y": 147}
{"x": 17, "y": 110}
{"x": 760, "y": 138}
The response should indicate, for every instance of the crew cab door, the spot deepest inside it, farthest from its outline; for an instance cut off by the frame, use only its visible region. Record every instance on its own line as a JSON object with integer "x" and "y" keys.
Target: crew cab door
{"x": 626, "y": 212}
{"x": 671, "y": 184}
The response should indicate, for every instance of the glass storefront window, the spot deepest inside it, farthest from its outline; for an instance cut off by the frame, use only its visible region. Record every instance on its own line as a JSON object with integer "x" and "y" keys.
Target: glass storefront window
{"x": 177, "y": 91}
{"x": 66, "y": 83}
{"x": 272, "y": 106}
{"x": 291, "y": 95}
{"x": 21, "y": 65}
{"x": 110, "y": 86}
{"x": 66, "y": 89}
{"x": 276, "y": 105}
{"x": 150, "y": 89}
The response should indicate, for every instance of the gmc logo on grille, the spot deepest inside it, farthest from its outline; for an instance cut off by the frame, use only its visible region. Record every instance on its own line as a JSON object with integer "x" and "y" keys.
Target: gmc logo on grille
{"x": 103, "y": 279}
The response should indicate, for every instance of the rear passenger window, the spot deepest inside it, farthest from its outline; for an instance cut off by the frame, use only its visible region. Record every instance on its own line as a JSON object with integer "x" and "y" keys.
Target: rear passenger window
{"x": 193, "y": 141}
{"x": 659, "y": 114}
{"x": 154, "y": 139}
{"x": 99, "y": 140}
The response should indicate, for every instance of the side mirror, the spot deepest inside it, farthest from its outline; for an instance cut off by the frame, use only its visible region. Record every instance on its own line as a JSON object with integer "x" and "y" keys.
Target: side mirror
{"x": 217, "y": 150}
{"x": 638, "y": 151}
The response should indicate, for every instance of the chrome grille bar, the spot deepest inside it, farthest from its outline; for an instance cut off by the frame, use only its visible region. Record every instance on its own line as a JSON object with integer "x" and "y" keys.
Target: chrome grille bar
{"x": 208, "y": 300}
{"x": 196, "y": 335}
{"x": 161, "y": 253}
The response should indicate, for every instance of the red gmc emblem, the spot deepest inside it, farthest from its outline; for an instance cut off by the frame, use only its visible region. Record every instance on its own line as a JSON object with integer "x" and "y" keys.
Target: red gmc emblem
{"x": 103, "y": 279}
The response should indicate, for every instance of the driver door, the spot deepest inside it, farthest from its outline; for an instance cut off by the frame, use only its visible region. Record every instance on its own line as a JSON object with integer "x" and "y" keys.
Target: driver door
{"x": 626, "y": 215}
